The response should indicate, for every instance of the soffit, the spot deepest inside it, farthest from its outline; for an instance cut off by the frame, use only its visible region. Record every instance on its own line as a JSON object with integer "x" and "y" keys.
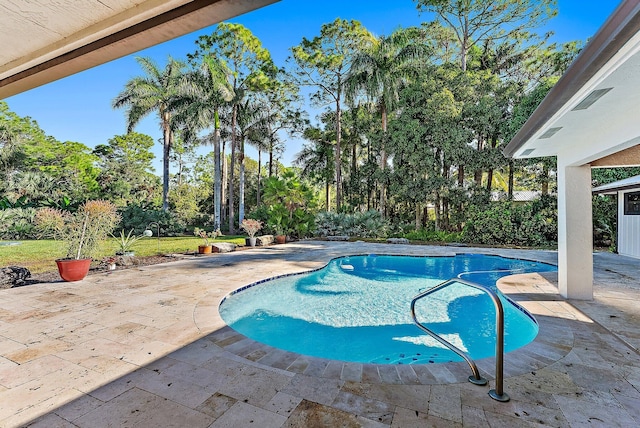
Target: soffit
{"x": 610, "y": 60}
{"x": 48, "y": 39}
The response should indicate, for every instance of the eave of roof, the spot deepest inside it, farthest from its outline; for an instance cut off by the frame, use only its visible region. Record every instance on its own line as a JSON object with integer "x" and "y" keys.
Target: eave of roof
{"x": 79, "y": 51}
{"x": 619, "y": 28}
{"x": 612, "y": 188}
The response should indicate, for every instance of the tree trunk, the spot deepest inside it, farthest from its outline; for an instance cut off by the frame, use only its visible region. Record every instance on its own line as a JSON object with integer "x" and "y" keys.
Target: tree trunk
{"x": 223, "y": 181}
{"x": 338, "y": 154}
{"x": 436, "y": 209}
{"x": 510, "y": 189}
{"x": 166, "y": 131}
{"x": 259, "y": 175}
{"x": 418, "y": 214}
{"x": 327, "y": 189}
{"x": 217, "y": 180}
{"x": 241, "y": 188}
{"x": 234, "y": 139}
{"x": 353, "y": 174}
{"x": 477, "y": 175}
{"x": 545, "y": 178}
{"x": 383, "y": 160}
{"x": 270, "y": 157}
{"x": 460, "y": 175}
{"x": 489, "y": 179}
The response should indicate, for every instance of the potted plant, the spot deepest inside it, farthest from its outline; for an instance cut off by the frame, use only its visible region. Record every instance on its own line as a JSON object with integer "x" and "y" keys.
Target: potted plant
{"x": 252, "y": 227}
{"x": 126, "y": 242}
{"x": 82, "y": 232}
{"x": 206, "y": 247}
{"x": 110, "y": 262}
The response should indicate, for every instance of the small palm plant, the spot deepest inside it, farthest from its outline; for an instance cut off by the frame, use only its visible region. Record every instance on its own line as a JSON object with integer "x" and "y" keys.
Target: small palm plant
{"x": 126, "y": 242}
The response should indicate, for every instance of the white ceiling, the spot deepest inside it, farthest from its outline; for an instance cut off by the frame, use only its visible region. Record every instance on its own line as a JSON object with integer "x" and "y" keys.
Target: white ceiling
{"x": 610, "y": 125}
{"x": 607, "y": 133}
{"x": 44, "y": 40}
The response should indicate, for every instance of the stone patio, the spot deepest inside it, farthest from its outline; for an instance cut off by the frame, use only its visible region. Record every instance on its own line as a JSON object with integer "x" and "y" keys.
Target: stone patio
{"x": 146, "y": 347}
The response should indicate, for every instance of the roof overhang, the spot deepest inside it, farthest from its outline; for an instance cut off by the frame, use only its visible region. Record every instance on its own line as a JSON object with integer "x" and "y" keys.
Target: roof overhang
{"x": 591, "y": 113}
{"x": 631, "y": 183}
{"x": 46, "y": 41}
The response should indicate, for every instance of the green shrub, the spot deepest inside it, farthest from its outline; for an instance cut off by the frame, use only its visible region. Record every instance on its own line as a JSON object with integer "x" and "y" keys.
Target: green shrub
{"x": 369, "y": 224}
{"x": 504, "y": 223}
{"x": 17, "y": 223}
{"x": 138, "y": 218}
{"x": 429, "y": 235}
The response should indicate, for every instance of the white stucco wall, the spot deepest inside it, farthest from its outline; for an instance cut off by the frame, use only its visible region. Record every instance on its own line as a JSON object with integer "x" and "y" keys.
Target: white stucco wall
{"x": 628, "y": 229}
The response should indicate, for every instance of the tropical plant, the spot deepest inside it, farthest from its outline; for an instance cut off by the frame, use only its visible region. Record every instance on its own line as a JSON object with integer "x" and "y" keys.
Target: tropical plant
{"x": 251, "y": 69}
{"x": 324, "y": 62}
{"x": 17, "y": 223}
{"x": 154, "y": 92}
{"x": 205, "y": 91}
{"x": 369, "y": 224}
{"x": 82, "y": 231}
{"x": 125, "y": 242}
{"x": 378, "y": 72}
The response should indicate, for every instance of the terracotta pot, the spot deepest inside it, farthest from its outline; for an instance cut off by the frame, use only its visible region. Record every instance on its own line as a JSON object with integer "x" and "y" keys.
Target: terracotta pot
{"x": 281, "y": 239}
{"x": 73, "y": 270}
{"x": 204, "y": 249}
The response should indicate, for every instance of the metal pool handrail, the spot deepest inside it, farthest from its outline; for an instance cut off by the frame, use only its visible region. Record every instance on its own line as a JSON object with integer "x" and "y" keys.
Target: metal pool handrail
{"x": 497, "y": 393}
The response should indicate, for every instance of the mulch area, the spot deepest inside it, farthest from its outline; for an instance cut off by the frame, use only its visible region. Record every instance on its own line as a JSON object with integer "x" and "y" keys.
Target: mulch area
{"x": 53, "y": 276}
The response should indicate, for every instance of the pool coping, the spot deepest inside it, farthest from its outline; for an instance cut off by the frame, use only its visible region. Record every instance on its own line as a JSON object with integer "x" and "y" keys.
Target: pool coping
{"x": 552, "y": 343}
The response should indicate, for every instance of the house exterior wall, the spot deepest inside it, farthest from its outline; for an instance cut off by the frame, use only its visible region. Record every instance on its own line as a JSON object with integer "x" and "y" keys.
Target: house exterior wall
{"x": 628, "y": 229}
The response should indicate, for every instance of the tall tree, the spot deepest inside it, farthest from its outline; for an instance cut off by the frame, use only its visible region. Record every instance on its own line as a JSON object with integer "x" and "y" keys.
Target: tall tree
{"x": 324, "y": 62}
{"x": 205, "y": 91}
{"x": 251, "y": 70}
{"x": 316, "y": 159}
{"x": 379, "y": 71}
{"x": 477, "y": 21}
{"x": 125, "y": 169}
{"x": 153, "y": 92}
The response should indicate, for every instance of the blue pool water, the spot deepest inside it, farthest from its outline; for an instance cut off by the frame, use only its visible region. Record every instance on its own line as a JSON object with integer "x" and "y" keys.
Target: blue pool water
{"x": 357, "y": 309}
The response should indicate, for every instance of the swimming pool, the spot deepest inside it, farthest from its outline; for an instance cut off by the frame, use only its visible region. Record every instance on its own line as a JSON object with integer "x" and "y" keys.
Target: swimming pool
{"x": 357, "y": 309}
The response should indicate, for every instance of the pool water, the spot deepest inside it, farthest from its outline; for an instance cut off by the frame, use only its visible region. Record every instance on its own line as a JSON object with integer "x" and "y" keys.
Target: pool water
{"x": 357, "y": 309}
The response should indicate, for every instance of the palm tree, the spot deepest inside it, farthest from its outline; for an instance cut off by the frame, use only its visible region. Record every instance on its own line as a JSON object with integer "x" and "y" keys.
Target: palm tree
{"x": 316, "y": 159}
{"x": 379, "y": 73}
{"x": 201, "y": 95}
{"x": 153, "y": 92}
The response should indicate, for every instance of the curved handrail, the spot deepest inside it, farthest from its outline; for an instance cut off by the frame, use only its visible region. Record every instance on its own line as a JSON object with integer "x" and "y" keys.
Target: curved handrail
{"x": 497, "y": 393}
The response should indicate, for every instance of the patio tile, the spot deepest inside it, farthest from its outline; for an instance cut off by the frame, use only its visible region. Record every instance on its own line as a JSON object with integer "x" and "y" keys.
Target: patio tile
{"x": 173, "y": 388}
{"x": 243, "y": 415}
{"x": 368, "y": 408}
{"x": 78, "y": 407}
{"x": 314, "y": 415}
{"x": 414, "y": 397}
{"x": 216, "y": 405}
{"x": 445, "y": 402}
{"x": 312, "y": 388}
{"x": 405, "y": 418}
{"x": 141, "y": 408}
{"x": 283, "y": 404}
{"x": 132, "y": 346}
{"x": 596, "y": 410}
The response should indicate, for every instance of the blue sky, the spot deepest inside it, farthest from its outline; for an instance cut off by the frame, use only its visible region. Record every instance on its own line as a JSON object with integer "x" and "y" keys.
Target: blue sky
{"x": 78, "y": 108}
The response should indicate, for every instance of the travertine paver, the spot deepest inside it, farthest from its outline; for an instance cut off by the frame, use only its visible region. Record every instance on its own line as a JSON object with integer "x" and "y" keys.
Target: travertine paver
{"x": 146, "y": 347}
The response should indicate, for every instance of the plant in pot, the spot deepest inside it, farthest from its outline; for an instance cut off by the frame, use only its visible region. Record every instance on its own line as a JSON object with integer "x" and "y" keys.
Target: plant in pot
{"x": 252, "y": 227}
{"x": 277, "y": 222}
{"x": 206, "y": 247}
{"x": 82, "y": 232}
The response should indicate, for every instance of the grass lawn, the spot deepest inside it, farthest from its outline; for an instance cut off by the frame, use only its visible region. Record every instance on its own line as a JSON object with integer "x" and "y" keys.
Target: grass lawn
{"x": 39, "y": 256}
